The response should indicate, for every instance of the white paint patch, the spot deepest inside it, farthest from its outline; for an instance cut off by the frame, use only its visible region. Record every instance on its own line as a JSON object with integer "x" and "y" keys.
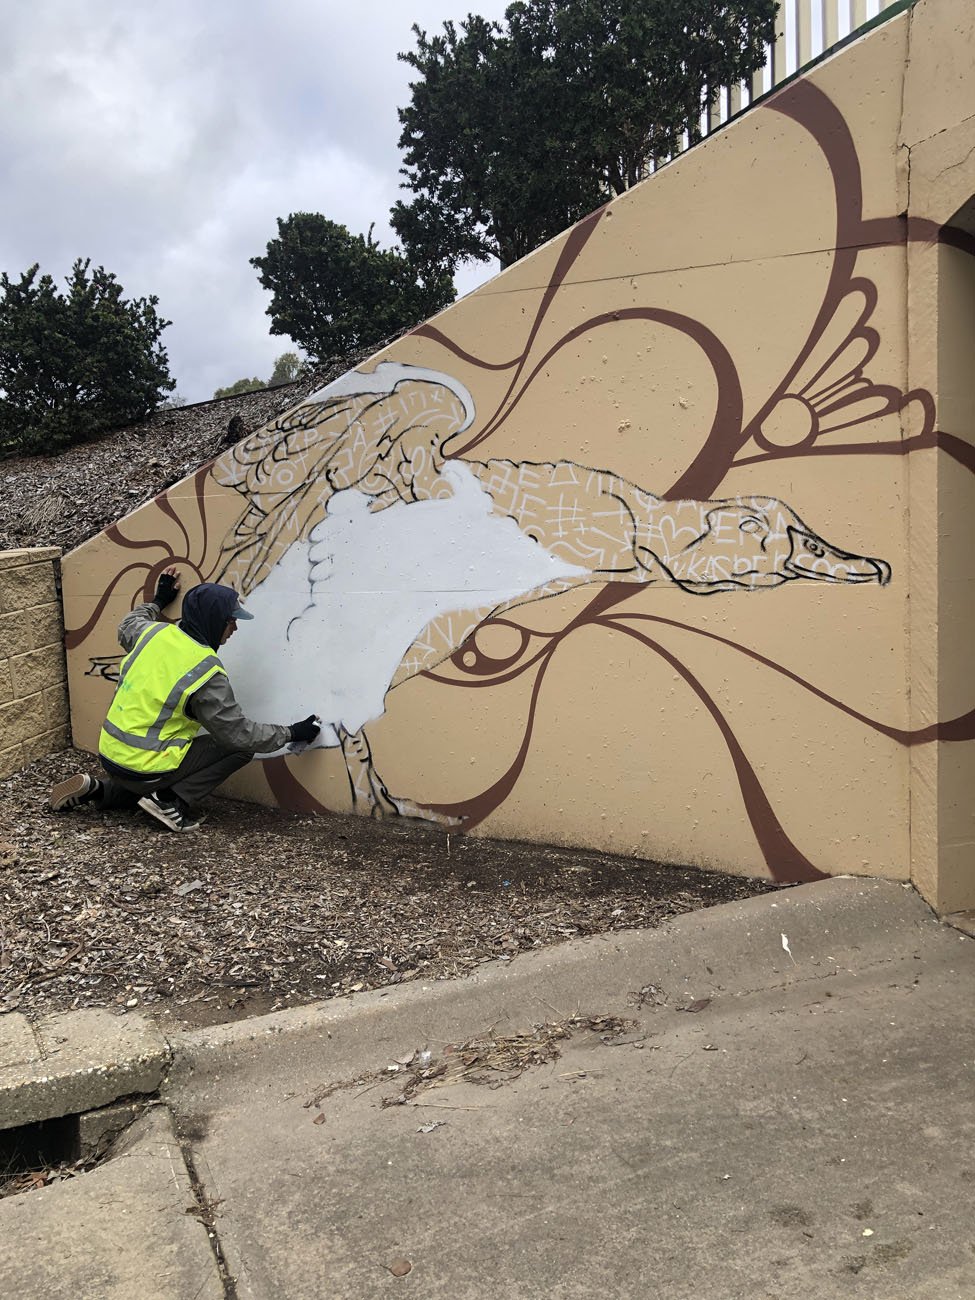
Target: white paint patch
{"x": 334, "y": 619}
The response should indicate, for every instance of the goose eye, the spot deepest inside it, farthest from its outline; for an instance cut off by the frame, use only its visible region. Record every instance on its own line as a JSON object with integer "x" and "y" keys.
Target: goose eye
{"x": 749, "y": 525}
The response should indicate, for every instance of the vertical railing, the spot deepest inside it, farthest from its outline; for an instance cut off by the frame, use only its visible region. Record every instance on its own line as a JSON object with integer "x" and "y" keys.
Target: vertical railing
{"x": 805, "y": 29}
{"x": 829, "y": 22}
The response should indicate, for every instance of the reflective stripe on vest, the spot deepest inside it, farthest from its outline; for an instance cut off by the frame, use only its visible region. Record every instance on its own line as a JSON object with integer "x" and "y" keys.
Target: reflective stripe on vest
{"x": 141, "y": 733}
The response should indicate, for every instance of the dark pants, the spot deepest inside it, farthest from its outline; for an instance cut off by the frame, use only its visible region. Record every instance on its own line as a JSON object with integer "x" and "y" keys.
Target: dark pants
{"x": 203, "y": 768}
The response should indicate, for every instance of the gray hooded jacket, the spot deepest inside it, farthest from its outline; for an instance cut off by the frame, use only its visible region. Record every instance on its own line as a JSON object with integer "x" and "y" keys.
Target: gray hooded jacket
{"x": 213, "y": 705}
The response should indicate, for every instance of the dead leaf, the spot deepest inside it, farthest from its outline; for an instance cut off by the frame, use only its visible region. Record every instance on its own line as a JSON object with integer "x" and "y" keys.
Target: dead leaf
{"x": 697, "y": 1005}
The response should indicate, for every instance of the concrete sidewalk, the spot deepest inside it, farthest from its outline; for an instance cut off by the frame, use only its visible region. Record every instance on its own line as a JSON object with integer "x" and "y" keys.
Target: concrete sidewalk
{"x": 792, "y": 1113}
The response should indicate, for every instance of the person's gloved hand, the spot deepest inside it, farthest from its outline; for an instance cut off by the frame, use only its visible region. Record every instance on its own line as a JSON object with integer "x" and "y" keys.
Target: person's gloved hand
{"x": 305, "y": 732}
{"x": 167, "y": 589}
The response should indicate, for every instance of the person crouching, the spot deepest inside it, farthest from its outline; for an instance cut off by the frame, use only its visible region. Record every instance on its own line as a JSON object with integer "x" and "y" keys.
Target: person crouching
{"x": 174, "y": 729}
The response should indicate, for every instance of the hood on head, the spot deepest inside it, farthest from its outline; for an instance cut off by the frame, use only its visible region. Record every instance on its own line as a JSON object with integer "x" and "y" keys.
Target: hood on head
{"x": 207, "y": 609}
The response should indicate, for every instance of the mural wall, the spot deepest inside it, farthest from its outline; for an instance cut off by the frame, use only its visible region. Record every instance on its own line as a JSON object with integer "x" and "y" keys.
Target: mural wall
{"x": 615, "y": 551}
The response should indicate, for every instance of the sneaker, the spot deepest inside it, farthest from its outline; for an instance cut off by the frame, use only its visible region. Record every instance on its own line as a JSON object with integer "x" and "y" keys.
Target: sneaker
{"x": 73, "y": 792}
{"x": 170, "y": 810}
{"x": 193, "y": 811}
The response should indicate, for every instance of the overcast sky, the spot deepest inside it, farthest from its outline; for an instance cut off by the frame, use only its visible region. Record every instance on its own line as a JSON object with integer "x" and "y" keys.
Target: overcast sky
{"x": 163, "y": 141}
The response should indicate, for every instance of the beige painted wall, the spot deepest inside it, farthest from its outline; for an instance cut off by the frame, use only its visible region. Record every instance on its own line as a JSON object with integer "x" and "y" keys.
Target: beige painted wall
{"x": 33, "y": 680}
{"x": 936, "y": 144}
{"x": 762, "y": 319}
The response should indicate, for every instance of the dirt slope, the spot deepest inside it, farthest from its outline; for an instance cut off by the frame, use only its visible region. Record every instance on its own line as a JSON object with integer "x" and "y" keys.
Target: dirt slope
{"x": 62, "y": 500}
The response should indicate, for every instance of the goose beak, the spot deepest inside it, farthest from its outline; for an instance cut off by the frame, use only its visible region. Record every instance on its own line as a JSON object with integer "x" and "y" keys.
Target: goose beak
{"x": 811, "y": 557}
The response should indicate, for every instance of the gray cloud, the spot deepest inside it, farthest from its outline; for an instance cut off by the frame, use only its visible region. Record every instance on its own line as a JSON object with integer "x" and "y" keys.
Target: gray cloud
{"x": 164, "y": 141}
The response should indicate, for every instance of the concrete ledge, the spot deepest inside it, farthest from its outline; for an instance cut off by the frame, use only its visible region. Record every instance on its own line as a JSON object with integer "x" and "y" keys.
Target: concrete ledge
{"x": 71, "y": 1063}
{"x": 729, "y": 951}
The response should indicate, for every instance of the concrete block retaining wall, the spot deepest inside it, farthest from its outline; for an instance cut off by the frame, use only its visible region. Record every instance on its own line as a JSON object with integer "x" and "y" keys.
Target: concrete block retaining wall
{"x": 33, "y": 682}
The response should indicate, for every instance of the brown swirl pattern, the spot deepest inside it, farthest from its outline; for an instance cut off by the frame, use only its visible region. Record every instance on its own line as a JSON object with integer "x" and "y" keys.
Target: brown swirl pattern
{"x": 286, "y": 473}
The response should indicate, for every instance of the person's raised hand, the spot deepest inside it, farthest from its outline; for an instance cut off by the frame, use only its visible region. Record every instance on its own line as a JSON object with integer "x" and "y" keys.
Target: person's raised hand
{"x": 304, "y": 732}
{"x": 167, "y": 588}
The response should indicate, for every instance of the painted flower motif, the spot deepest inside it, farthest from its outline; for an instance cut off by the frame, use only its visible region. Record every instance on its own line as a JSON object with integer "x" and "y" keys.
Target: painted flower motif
{"x": 830, "y": 389}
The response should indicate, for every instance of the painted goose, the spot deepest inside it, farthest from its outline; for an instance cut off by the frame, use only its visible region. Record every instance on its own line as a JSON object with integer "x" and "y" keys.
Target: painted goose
{"x": 368, "y": 556}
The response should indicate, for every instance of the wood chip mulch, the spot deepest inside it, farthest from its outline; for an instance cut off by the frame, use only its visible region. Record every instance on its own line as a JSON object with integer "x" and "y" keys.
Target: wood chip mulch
{"x": 64, "y": 499}
{"x": 262, "y": 909}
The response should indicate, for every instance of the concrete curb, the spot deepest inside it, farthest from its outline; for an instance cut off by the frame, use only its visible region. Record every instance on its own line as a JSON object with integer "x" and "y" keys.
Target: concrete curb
{"x": 82, "y": 1060}
{"x": 728, "y": 951}
{"x": 75, "y": 1062}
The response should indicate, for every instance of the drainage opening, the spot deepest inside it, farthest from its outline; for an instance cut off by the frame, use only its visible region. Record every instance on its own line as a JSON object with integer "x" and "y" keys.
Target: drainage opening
{"x": 34, "y": 1155}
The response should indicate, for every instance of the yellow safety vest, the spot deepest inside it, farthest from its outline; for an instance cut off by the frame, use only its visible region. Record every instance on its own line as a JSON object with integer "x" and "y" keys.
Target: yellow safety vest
{"x": 147, "y": 728}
